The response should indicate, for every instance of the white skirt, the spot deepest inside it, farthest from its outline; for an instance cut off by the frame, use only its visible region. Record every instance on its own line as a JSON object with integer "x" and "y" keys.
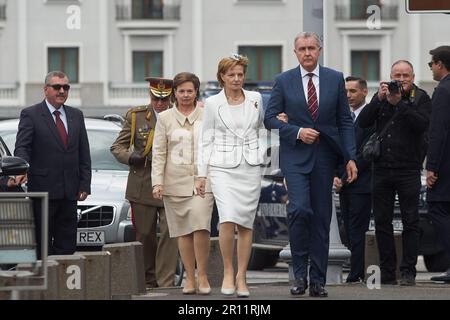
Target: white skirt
{"x": 236, "y": 191}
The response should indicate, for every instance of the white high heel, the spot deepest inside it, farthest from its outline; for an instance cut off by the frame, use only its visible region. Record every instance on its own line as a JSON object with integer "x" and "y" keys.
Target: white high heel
{"x": 242, "y": 294}
{"x": 227, "y": 291}
{"x": 204, "y": 291}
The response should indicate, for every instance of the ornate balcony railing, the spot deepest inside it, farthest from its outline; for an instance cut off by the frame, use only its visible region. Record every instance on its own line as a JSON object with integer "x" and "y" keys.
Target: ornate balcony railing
{"x": 9, "y": 95}
{"x": 128, "y": 94}
{"x": 345, "y": 13}
{"x": 126, "y": 12}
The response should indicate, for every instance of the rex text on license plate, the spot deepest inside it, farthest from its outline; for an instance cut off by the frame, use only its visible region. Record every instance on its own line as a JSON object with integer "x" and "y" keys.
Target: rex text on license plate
{"x": 90, "y": 238}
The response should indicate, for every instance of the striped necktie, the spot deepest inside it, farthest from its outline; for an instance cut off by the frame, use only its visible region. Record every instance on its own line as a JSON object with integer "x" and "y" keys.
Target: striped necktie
{"x": 313, "y": 105}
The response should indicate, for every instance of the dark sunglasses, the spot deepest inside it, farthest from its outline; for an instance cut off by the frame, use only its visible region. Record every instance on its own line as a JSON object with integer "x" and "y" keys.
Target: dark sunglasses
{"x": 58, "y": 87}
{"x": 430, "y": 64}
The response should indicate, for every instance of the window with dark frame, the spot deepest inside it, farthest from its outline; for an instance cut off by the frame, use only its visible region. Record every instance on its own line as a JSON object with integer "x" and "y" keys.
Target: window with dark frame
{"x": 366, "y": 64}
{"x": 264, "y": 62}
{"x": 147, "y": 64}
{"x": 65, "y": 60}
{"x": 147, "y": 9}
{"x": 358, "y": 8}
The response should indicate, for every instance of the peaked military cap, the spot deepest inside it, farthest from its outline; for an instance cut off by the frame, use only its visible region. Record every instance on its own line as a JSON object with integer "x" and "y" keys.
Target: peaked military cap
{"x": 159, "y": 87}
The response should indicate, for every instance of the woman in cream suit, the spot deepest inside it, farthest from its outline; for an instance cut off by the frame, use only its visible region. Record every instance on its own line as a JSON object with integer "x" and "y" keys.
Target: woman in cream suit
{"x": 174, "y": 171}
{"x": 231, "y": 150}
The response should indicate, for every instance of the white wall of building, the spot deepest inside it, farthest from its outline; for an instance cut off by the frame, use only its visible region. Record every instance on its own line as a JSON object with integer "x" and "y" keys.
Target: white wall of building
{"x": 207, "y": 31}
{"x": 410, "y": 37}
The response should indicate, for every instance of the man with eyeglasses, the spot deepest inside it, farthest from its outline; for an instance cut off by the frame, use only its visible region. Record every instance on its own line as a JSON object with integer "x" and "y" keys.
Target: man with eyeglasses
{"x": 52, "y": 137}
{"x": 133, "y": 147}
{"x": 438, "y": 157}
{"x": 400, "y": 112}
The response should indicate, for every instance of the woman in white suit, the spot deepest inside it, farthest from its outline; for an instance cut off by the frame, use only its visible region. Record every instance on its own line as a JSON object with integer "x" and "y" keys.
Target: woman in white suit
{"x": 230, "y": 149}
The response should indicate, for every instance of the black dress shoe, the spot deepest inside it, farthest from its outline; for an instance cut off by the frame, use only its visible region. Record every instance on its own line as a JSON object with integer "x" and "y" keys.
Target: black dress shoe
{"x": 445, "y": 277}
{"x": 408, "y": 279}
{"x": 151, "y": 284}
{"x": 317, "y": 290}
{"x": 299, "y": 287}
{"x": 354, "y": 280}
{"x": 390, "y": 280}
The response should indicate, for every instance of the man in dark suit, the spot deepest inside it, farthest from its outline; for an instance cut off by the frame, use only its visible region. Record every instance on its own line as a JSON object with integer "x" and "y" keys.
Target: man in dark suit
{"x": 355, "y": 198}
{"x": 438, "y": 157}
{"x": 319, "y": 132}
{"x": 52, "y": 137}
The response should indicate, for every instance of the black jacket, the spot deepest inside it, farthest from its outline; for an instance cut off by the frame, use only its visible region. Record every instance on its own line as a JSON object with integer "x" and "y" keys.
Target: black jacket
{"x": 438, "y": 157}
{"x": 363, "y": 183}
{"x": 59, "y": 171}
{"x": 402, "y": 145}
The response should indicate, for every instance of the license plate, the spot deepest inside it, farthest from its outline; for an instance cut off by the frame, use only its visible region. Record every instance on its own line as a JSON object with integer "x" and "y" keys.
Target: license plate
{"x": 397, "y": 224}
{"x": 90, "y": 238}
{"x": 272, "y": 210}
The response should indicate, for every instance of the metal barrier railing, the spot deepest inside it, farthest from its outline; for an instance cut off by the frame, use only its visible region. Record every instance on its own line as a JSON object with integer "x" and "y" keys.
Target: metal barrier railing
{"x": 18, "y": 242}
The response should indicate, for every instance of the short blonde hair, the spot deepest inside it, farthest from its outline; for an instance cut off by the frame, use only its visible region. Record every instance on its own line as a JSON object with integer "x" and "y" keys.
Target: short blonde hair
{"x": 230, "y": 62}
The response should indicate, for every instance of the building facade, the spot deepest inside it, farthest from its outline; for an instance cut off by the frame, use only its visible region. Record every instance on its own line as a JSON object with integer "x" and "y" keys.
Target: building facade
{"x": 369, "y": 35}
{"x": 108, "y": 47}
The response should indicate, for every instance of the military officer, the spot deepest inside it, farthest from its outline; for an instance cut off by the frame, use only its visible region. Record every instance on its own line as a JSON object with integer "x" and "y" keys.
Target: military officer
{"x": 133, "y": 147}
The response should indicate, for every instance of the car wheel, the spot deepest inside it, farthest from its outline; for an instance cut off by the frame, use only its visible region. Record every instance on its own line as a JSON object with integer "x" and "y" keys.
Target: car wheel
{"x": 260, "y": 259}
{"x": 179, "y": 272}
{"x": 438, "y": 262}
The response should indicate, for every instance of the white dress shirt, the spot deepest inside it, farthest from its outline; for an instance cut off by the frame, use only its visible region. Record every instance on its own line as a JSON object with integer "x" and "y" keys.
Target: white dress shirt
{"x": 316, "y": 82}
{"x": 61, "y": 110}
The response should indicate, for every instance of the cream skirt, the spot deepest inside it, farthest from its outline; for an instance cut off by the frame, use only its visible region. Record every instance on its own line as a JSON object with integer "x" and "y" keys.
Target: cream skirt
{"x": 188, "y": 214}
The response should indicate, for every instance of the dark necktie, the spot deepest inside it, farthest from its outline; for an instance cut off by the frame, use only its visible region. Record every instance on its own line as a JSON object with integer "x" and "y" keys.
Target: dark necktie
{"x": 313, "y": 105}
{"x": 353, "y": 115}
{"x": 61, "y": 129}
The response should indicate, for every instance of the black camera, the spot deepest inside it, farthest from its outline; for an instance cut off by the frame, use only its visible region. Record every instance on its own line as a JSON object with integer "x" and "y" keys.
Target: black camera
{"x": 394, "y": 86}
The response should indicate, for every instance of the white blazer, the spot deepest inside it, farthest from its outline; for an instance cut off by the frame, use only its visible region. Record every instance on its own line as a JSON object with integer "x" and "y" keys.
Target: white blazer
{"x": 221, "y": 145}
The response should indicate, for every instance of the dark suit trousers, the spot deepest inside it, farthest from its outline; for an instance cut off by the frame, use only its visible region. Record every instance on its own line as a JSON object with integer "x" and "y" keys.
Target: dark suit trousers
{"x": 407, "y": 184}
{"x": 355, "y": 210}
{"x": 439, "y": 213}
{"x": 62, "y": 226}
{"x": 309, "y": 216}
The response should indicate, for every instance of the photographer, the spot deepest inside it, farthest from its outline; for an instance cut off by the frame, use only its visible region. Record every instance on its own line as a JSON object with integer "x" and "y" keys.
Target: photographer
{"x": 397, "y": 170}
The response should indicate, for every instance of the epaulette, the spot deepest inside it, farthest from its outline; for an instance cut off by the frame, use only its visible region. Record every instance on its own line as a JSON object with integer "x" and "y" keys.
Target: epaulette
{"x": 136, "y": 109}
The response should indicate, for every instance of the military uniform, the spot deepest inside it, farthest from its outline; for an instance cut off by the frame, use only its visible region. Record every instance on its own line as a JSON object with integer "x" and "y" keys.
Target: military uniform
{"x": 160, "y": 256}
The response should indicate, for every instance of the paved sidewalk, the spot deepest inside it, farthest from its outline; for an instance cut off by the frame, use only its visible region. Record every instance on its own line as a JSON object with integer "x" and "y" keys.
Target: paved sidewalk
{"x": 273, "y": 284}
{"x": 424, "y": 290}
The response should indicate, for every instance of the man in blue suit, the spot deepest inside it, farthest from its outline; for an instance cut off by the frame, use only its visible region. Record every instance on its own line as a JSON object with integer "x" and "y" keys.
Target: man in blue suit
{"x": 318, "y": 134}
{"x": 52, "y": 137}
{"x": 438, "y": 158}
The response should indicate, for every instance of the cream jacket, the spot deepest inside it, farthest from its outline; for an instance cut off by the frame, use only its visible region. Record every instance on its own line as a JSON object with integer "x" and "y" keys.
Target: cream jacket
{"x": 174, "y": 162}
